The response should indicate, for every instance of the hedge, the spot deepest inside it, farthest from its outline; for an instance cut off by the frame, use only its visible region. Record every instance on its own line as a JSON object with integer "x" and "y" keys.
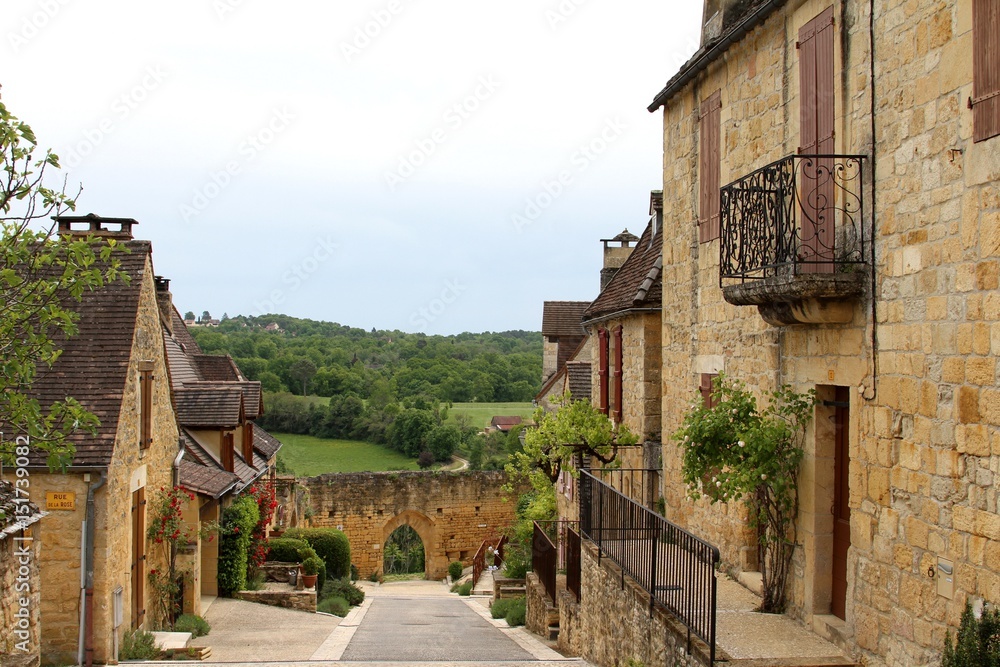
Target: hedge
{"x": 330, "y": 544}
{"x": 238, "y": 521}
{"x": 285, "y": 549}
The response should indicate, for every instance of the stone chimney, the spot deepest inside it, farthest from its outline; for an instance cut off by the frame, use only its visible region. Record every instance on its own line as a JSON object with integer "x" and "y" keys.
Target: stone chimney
{"x": 165, "y": 301}
{"x": 656, "y": 210}
{"x": 615, "y": 255}
{"x": 719, "y": 15}
{"x": 95, "y": 225}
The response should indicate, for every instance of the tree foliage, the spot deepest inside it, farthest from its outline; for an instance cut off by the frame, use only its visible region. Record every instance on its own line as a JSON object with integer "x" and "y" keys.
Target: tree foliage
{"x": 41, "y": 274}
{"x": 977, "y": 643}
{"x": 735, "y": 450}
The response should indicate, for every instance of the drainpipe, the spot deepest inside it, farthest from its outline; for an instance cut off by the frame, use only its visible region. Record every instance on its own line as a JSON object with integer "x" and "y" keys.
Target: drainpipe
{"x": 88, "y": 608}
{"x": 177, "y": 466}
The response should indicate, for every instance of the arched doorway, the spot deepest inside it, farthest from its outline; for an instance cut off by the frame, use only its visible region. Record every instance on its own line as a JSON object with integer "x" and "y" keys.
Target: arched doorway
{"x": 403, "y": 552}
{"x": 403, "y": 532}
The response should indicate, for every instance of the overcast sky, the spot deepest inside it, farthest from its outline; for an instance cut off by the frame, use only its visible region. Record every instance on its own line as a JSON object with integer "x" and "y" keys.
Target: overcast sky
{"x": 424, "y": 165}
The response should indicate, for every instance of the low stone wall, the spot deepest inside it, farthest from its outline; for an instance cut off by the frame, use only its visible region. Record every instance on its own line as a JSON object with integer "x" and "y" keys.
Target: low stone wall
{"x": 537, "y": 612}
{"x": 301, "y": 600}
{"x": 618, "y": 626}
{"x": 507, "y": 588}
{"x": 278, "y": 571}
{"x": 570, "y": 635}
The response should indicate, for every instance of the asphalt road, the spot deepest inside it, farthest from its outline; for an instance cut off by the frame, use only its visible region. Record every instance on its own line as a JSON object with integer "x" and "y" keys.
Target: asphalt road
{"x": 428, "y": 629}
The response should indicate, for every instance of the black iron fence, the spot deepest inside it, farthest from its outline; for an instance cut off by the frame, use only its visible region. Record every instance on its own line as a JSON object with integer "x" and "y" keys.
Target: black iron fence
{"x": 676, "y": 568}
{"x": 800, "y": 214}
{"x": 555, "y": 546}
{"x": 640, "y": 484}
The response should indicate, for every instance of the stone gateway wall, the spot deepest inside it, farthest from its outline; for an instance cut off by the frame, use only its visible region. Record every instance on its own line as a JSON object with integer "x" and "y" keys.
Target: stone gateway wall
{"x": 20, "y": 599}
{"x": 453, "y": 512}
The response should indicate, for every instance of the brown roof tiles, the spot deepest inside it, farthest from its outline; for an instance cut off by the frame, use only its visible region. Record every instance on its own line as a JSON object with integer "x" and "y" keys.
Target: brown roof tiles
{"x": 563, "y": 318}
{"x": 638, "y": 283}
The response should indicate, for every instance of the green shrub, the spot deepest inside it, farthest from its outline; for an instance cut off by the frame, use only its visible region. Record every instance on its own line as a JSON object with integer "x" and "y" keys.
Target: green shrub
{"x": 516, "y": 612}
{"x": 196, "y": 625}
{"x": 455, "y": 570}
{"x": 375, "y": 577}
{"x": 311, "y": 565}
{"x": 337, "y": 606}
{"x": 344, "y": 589}
{"x": 500, "y": 607}
{"x": 238, "y": 522}
{"x": 978, "y": 641}
{"x": 255, "y": 580}
{"x": 138, "y": 645}
{"x": 464, "y": 589}
{"x": 285, "y": 549}
{"x": 330, "y": 544}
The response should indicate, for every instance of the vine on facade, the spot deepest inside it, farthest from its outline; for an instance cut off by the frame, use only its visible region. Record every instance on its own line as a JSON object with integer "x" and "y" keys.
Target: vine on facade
{"x": 168, "y": 529}
{"x": 734, "y": 450}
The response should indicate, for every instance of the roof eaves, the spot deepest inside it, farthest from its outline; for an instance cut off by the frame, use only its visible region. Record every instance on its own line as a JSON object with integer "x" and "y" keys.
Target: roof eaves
{"x": 709, "y": 53}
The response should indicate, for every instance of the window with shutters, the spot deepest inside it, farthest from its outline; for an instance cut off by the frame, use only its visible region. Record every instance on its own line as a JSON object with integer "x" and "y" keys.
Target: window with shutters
{"x": 985, "y": 100}
{"x": 602, "y": 370}
{"x": 710, "y": 167}
{"x": 616, "y": 384}
{"x": 145, "y": 405}
{"x": 706, "y": 387}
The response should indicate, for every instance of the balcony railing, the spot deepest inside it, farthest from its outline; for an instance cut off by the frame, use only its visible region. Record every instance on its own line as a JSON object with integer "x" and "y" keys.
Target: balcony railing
{"x": 555, "y": 545}
{"x": 490, "y": 554}
{"x": 676, "y": 568}
{"x": 803, "y": 214}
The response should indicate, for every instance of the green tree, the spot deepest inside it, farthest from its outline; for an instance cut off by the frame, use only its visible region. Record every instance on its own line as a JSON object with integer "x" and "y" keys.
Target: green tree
{"x": 303, "y": 371}
{"x": 41, "y": 275}
{"x": 409, "y": 431}
{"x": 189, "y": 315}
{"x": 443, "y": 441}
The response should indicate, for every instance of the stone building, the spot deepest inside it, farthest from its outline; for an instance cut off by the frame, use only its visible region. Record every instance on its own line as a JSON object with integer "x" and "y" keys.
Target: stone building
{"x": 20, "y": 583}
{"x": 116, "y": 368}
{"x": 562, "y": 334}
{"x": 862, "y": 219}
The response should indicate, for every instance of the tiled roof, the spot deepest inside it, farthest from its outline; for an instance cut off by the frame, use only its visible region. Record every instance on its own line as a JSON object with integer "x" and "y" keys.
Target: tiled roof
{"x": 182, "y": 371}
{"x": 218, "y": 367}
{"x": 214, "y": 406}
{"x": 563, "y": 318}
{"x": 638, "y": 283}
{"x": 265, "y": 443}
{"x": 505, "y": 421}
{"x": 243, "y": 472}
{"x": 182, "y": 334}
{"x": 253, "y": 401}
{"x": 579, "y": 376}
{"x": 94, "y": 362}
{"x": 206, "y": 480}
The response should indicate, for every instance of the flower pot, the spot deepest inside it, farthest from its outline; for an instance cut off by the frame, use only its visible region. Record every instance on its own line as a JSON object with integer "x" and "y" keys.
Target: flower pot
{"x": 309, "y": 580}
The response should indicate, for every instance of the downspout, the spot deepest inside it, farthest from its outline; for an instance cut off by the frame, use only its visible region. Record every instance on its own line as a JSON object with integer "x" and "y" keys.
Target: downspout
{"x": 88, "y": 608}
{"x": 874, "y": 340}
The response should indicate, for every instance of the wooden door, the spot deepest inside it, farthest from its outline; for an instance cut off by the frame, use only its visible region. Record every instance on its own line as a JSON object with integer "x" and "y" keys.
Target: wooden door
{"x": 841, "y": 502}
{"x": 816, "y": 119}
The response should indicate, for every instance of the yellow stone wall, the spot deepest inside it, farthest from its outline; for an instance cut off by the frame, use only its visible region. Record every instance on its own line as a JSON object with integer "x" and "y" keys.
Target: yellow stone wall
{"x": 452, "y": 512}
{"x": 20, "y": 598}
{"x": 61, "y": 538}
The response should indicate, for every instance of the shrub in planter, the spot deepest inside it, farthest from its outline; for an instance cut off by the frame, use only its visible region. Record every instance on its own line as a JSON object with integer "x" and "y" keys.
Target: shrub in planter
{"x": 138, "y": 645}
{"x": 336, "y": 605}
{"x": 311, "y": 565}
{"x": 196, "y": 625}
{"x": 344, "y": 589}
{"x": 455, "y": 570}
{"x": 285, "y": 549}
{"x": 330, "y": 544}
{"x": 516, "y": 612}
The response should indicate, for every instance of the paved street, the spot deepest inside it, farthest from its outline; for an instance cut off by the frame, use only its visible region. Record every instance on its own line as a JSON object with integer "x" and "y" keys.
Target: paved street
{"x": 399, "y": 623}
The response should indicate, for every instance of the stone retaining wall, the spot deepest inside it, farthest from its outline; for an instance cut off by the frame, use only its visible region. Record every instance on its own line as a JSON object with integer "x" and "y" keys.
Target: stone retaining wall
{"x": 301, "y": 600}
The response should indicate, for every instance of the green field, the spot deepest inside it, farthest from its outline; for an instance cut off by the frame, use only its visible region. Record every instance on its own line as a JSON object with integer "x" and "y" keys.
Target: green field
{"x": 482, "y": 413}
{"x": 308, "y": 456}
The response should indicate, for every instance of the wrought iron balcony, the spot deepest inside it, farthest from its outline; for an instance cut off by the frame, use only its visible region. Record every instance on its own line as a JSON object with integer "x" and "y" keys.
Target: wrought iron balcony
{"x": 793, "y": 232}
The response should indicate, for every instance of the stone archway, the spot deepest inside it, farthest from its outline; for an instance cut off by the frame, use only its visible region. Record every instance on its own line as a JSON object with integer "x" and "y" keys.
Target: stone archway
{"x": 427, "y": 531}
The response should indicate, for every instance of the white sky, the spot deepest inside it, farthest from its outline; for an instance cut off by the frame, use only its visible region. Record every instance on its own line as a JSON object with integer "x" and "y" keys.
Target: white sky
{"x": 269, "y": 151}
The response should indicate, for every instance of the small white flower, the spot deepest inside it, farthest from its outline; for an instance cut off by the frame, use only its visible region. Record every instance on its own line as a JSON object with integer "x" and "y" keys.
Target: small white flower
{"x": 734, "y": 411}
{"x": 741, "y": 443}
{"x": 718, "y": 483}
{"x": 713, "y": 479}
{"x": 686, "y": 438}
{"x": 763, "y": 476}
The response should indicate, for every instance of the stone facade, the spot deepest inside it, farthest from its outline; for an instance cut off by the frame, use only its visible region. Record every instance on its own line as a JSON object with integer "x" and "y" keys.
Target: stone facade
{"x": 918, "y": 349}
{"x": 20, "y": 597}
{"x": 300, "y": 600}
{"x": 130, "y": 468}
{"x": 452, "y": 512}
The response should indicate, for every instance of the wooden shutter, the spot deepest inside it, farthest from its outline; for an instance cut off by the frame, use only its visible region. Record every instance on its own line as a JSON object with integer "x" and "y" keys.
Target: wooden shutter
{"x": 617, "y": 381}
{"x": 145, "y": 408}
{"x": 138, "y": 556}
{"x": 248, "y": 443}
{"x": 706, "y": 387}
{"x": 602, "y": 370}
{"x": 985, "y": 69}
{"x": 708, "y": 182}
{"x": 816, "y": 132}
{"x": 228, "y": 454}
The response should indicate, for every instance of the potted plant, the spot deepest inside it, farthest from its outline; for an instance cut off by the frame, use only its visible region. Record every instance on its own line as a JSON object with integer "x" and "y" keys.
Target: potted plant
{"x": 310, "y": 570}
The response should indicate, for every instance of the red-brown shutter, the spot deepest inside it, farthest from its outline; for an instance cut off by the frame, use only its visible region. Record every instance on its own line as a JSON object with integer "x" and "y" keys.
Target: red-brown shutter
{"x": 145, "y": 408}
{"x": 985, "y": 69}
{"x": 602, "y": 370}
{"x": 708, "y": 204}
{"x": 248, "y": 443}
{"x": 816, "y": 130}
{"x": 138, "y": 556}
{"x": 617, "y": 382}
{"x": 706, "y": 387}
{"x": 228, "y": 453}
